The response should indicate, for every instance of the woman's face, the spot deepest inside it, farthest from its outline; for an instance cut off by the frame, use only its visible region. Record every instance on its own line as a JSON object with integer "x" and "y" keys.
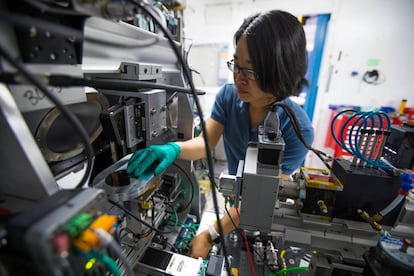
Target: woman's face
{"x": 248, "y": 90}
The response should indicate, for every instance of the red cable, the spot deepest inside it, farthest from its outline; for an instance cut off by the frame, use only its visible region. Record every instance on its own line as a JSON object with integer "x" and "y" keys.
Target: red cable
{"x": 249, "y": 254}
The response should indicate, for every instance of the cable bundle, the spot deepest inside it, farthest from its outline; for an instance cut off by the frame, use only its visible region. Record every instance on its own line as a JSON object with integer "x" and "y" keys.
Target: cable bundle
{"x": 363, "y": 135}
{"x": 325, "y": 158}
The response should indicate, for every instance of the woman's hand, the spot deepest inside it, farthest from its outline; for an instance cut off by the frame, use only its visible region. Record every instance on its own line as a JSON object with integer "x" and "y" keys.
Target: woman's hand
{"x": 201, "y": 245}
{"x": 162, "y": 155}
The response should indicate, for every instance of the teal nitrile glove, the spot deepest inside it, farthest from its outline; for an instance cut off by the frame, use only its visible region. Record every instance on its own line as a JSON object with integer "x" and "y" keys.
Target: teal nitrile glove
{"x": 142, "y": 159}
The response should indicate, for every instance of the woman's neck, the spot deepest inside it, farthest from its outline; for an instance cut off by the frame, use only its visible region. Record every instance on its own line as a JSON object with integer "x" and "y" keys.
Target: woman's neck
{"x": 257, "y": 114}
{"x": 258, "y": 110}
{"x": 262, "y": 105}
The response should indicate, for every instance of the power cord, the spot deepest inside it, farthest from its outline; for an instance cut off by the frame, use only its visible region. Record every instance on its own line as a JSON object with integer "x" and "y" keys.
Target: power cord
{"x": 187, "y": 75}
{"x": 137, "y": 218}
{"x": 325, "y": 158}
{"x": 107, "y": 240}
{"x": 70, "y": 116}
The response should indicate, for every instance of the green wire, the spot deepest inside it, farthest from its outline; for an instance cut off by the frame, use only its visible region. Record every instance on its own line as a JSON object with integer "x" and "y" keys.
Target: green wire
{"x": 203, "y": 268}
{"x": 109, "y": 263}
{"x": 291, "y": 269}
{"x": 191, "y": 230}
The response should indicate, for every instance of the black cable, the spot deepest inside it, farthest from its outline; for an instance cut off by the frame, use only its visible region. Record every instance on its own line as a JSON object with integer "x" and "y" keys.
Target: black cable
{"x": 191, "y": 186}
{"x": 231, "y": 219}
{"x": 294, "y": 122}
{"x": 70, "y": 116}
{"x": 123, "y": 85}
{"x": 117, "y": 249}
{"x": 135, "y": 217}
{"x": 187, "y": 74}
{"x": 96, "y": 82}
{"x": 298, "y": 132}
{"x": 174, "y": 212}
{"x": 58, "y": 29}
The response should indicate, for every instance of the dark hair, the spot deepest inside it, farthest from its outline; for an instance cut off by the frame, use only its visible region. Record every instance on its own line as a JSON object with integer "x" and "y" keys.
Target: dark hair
{"x": 277, "y": 48}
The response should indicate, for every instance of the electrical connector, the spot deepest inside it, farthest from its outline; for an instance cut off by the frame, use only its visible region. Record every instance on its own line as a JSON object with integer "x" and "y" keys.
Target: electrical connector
{"x": 272, "y": 124}
{"x": 90, "y": 239}
{"x": 78, "y": 224}
{"x": 104, "y": 237}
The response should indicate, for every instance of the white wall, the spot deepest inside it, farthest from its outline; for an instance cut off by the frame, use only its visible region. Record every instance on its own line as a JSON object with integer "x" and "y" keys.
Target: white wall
{"x": 359, "y": 31}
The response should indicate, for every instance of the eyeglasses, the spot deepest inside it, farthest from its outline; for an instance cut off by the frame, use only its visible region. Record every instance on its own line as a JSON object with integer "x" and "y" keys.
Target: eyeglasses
{"x": 248, "y": 73}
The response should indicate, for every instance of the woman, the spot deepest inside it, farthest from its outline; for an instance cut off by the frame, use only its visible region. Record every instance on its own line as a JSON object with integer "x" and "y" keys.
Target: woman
{"x": 269, "y": 65}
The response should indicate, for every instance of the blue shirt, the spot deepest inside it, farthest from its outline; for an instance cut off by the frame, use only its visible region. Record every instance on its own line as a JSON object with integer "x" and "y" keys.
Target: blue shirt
{"x": 233, "y": 114}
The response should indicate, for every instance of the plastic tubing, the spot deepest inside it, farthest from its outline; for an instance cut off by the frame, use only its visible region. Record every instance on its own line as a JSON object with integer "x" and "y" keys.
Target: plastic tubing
{"x": 397, "y": 200}
{"x": 358, "y": 139}
{"x": 379, "y": 155}
{"x": 406, "y": 186}
{"x": 361, "y": 115}
{"x": 363, "y": 119}
{"x": 340, "y": 143}
{"x": 355, "y": 146}
{"x": 387, "y": 128}
{"x": 351, "y": 148}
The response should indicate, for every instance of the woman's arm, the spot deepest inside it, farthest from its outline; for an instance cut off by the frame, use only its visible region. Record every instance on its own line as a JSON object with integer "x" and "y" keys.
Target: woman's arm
{"x": 194, "y": 149}
{"x": 200, "y": 246}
